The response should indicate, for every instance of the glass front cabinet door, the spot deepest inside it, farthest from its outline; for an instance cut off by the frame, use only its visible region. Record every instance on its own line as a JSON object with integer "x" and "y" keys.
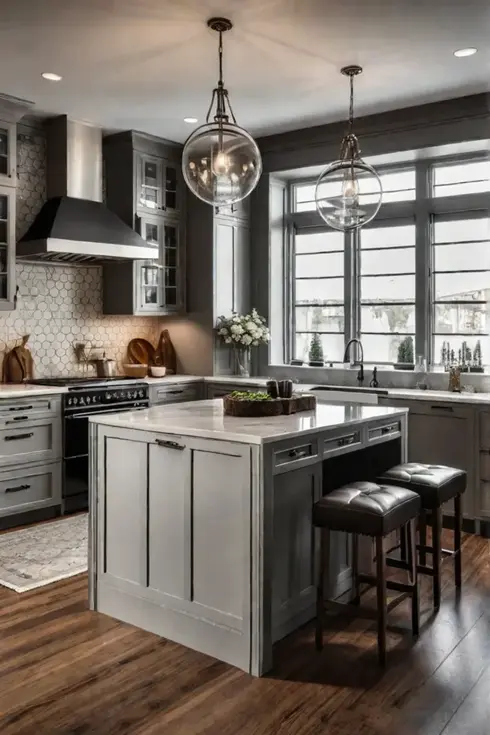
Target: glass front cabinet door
{"x": 7, "y": 249}
{"x": 8, "y": 175}
{"x": 158, "y": 185}
{"x": 157, "y": 281}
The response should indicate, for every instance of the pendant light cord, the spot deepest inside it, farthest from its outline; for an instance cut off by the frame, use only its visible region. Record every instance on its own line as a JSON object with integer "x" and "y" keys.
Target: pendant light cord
{"x": 351, "y": 103}
{"x": 220, "y": 56}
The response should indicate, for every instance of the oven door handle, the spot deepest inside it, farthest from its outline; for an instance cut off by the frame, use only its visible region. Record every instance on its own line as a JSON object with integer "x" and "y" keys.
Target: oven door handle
{"x": 110, "y": 410}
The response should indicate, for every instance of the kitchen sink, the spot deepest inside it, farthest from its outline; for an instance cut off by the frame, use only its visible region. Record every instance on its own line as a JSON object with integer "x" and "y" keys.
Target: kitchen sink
{"x": 347, "y": 394}
{"x": 351, "y": 389}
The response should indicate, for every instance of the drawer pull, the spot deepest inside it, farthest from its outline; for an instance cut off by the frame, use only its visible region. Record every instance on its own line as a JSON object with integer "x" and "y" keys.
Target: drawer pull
{"x": 17, "y": 418}
{"x": 345, "y": 441}
{"x": 21, "y": 408}
{"x": 13, "y": 437}
{"x": 449, "y": 409}
{"x": 297, "y": 453}
{"x": 17, "y": 489}
{"x": 169, "y": 444}
{"x": 388, "y": 429}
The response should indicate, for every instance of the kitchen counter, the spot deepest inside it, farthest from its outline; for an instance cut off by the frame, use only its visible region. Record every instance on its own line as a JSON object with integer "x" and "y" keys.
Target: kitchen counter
{"x": 200, "y": 523}
{"x": 207, "y": 419}
{"x": 19, "y": 390}
{"x": 439, "y": 395}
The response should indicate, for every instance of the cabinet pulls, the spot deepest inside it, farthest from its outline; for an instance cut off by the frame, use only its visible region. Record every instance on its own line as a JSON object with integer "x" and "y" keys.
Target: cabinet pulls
{"x": 21, "y": 408}
{"x": 17, "y": 418}
{"x": 297, "y": 453}
{"x": 17, "y": 489}
{"x": 449, "y": 409}
{"x": 13, "y": 437}
{"x": 172, "y": 392}
{"x": 169, "y": 444}
{"x": 388, "y": 429}
{"x": 346, "y": 440}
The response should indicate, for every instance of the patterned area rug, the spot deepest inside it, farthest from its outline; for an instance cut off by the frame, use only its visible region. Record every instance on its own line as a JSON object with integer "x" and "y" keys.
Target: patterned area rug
{"x": 44, "y": 553}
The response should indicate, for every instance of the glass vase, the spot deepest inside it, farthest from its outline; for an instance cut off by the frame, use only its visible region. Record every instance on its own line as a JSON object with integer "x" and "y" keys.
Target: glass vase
{"x": 242, "y": 361}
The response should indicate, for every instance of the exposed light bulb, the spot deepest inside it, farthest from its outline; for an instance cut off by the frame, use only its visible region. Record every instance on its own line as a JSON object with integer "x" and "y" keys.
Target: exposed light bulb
{"x": 221, "y": 163}
{"x": 350, "y": 189}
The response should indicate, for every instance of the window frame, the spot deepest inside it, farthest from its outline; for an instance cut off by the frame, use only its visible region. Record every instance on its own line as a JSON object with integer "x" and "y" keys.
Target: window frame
{"x": 422, "y": 211}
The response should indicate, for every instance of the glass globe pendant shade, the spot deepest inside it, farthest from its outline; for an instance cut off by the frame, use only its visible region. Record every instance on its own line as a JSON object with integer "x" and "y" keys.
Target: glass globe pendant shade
{"x": 221, "y": 163}
{"x": 348, "y": 194}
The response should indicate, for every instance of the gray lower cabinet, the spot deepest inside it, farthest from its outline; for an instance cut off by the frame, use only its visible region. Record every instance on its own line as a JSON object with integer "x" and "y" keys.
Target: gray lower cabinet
{"x": 175, "y": 504}
{"x": 444, "y": 433}
{"x": 175, "y": 393}
{"x": 30, "y": 454}
{"x": 294, "y": 548}
{"x": 29, "y": 488}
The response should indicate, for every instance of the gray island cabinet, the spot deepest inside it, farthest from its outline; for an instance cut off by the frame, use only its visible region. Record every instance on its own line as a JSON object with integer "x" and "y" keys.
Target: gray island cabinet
{"x": 200, "y": 524}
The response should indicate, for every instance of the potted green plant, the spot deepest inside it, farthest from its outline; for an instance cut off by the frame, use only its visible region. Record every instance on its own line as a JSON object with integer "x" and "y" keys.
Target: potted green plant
{"x": 316, "y": 351}
{"x": 405, "y": 355}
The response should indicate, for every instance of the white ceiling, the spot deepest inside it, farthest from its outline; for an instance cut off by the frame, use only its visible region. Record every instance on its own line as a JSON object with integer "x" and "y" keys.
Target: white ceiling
{"x": 146, "y": 64}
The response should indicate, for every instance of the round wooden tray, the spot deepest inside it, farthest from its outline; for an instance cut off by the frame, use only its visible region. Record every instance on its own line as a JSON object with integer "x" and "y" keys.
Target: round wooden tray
{"x": 275, "y": 407}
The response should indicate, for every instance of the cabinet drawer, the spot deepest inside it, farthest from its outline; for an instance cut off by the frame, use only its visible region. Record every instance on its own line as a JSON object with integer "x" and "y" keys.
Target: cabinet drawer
{"x": 34, "y": 441}
{"x": 174, "y": 394}
{"x": 342, "y": 443}
{"x": 484, "y": 504}
{"x": 31, "y": 488}
{"x": 389, "y": 429}
{"x": 295, "y": 454}
{"x": 25, "y": 409}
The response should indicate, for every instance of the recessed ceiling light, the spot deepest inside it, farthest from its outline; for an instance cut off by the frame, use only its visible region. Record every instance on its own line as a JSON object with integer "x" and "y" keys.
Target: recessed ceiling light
{"x": 465, "y": 52}
{"x": 51, "y": 76}
{"x": 190, "y": 120}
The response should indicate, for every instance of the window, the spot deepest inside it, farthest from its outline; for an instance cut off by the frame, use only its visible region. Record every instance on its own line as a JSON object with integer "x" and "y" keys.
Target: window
{"x": 398, "y": 186}
{"x": 319, "y": 293}
{"x": 421, "y": 269}
{"x": 461, "y": 178}
{"x": 461, "y": 287}
{"x": 387, "y": 290}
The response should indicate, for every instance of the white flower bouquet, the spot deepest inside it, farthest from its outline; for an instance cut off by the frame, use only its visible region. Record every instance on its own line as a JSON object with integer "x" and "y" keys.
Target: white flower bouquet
{"x": 243, "y": 331}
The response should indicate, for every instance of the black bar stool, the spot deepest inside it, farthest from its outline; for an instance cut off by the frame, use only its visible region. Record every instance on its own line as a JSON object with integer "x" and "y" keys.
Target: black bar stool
{"x": 436, "y": 485}
{"x": 373, "y": 510}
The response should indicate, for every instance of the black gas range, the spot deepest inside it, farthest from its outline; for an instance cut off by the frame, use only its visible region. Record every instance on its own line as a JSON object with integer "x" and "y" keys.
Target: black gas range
{"x": 87, "y": 397}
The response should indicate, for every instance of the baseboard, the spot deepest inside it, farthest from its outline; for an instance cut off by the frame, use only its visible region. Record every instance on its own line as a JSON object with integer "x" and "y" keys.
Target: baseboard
{"x": 469, "y": 524}
{"x": 31, "y": 516}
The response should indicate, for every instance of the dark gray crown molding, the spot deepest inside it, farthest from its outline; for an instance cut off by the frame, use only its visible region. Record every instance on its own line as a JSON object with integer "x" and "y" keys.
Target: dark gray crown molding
{"x": 409, "y": 128}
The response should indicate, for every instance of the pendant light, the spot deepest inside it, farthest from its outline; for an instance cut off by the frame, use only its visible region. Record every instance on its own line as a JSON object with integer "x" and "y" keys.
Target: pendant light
{"x": 221, "y": 162}
{"x": 349, "y": 191}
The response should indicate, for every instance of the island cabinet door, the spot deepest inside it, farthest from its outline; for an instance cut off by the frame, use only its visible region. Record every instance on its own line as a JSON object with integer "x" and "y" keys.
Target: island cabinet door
{"x": 295, "y": 551}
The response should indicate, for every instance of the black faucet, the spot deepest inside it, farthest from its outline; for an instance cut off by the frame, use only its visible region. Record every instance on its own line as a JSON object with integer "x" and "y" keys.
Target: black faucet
{"x": 360, "y": 362}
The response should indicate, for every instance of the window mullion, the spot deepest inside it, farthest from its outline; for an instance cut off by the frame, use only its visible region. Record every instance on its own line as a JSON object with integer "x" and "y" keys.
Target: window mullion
{"x": 423, "y": 309}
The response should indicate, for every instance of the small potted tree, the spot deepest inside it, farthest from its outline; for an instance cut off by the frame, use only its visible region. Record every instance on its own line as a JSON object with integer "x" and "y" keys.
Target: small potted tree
{"x": 477, "y": 365}
{"x": 405, "y": 355}
{"x": 316, "y": 351}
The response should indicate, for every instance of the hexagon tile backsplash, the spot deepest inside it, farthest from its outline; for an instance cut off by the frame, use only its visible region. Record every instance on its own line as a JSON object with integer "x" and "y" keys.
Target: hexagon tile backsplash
{"x": 60, "y": 305}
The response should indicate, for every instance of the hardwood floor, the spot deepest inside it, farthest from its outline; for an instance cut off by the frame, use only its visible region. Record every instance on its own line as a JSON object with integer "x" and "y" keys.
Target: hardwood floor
{"x": 66, "y": 670}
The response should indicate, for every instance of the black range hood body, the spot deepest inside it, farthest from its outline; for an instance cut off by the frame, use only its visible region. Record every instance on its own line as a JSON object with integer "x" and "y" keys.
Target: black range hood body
{"x": 81, "y": 230}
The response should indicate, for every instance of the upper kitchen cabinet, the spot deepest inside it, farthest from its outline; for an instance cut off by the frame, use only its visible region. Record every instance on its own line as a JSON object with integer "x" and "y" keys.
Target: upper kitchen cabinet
{"x": 143, "y": 176}
{"x": 144, "y": 187}
{"x": 158, "y": 184}
{"x": 11, "y": 111}
{"x": 7, "y": 248}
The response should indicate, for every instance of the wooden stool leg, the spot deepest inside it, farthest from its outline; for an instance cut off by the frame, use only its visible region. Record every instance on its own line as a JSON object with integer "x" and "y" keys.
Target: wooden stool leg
{"x": 458, "y": 520}
{"x": 381, "y": 599}
{"x": 412, "y": 555}
{"x": 437, "y": 555}
{"x": 356, "y": 599}
{"x": 423, "y": 536}
{"x": 320, "y": 590}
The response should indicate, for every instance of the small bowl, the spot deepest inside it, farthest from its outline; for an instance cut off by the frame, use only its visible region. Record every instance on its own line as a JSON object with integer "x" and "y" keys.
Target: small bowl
{"x": 135, "y": 371}
{"x": 157, "y": 371}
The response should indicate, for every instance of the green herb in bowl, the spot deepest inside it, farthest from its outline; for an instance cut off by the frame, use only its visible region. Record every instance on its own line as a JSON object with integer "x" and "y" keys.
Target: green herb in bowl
{"x": 239, "y": 395}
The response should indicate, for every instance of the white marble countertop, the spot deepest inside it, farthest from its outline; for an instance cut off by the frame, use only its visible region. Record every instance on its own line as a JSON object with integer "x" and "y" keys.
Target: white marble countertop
{"x": 439, "y": 395}
{"x": 206, "y": 419}
{"x": 20, "y": 390}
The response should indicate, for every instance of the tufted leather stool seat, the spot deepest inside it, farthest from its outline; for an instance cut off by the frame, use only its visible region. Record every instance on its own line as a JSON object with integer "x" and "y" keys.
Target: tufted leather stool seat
{"x": 436, "y": 484}
{"x": 366, "y": 508}
{"x": 370, "y": 509}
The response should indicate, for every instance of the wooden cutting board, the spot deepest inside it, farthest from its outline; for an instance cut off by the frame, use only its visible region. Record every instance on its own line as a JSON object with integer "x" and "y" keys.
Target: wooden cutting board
{"x": 141, "y": 352}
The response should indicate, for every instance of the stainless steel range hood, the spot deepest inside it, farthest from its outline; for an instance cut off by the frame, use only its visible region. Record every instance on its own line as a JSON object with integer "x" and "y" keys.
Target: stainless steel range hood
{"x": 74, "y": 225}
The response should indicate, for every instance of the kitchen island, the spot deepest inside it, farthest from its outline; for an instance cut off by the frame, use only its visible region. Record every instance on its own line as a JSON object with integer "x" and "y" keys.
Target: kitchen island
{"x": 200, "y": 523}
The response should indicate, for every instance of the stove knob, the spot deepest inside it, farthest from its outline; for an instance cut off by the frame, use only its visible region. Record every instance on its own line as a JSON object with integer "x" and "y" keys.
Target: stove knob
{"x": 68, "y": 403}
{"x": 75, "y": 401}
{"x": 82, "y": 401}
{"x": 108, "y": 396}
{"x": 88, "y": 399}
{"x": 141, "y": 393}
